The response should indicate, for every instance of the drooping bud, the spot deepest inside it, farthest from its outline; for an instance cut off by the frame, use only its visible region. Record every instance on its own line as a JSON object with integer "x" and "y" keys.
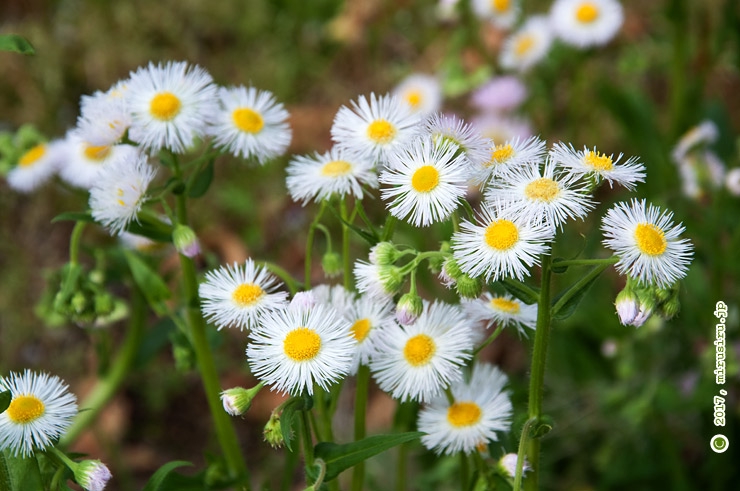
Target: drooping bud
{"x": 92, "y": 475}
{"x": 409, "y": 308}
{"x": 384, "y": 254}
{"x": 468, "y": 287}
{"x": 185, "y": 240}
{"x": 331, "y": 263}
{"x": 238, "y": 400}
{"x": 273, "y": 432}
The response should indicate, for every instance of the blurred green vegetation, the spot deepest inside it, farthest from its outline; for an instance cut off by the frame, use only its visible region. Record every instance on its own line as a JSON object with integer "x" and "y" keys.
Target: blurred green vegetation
{"x": 632, "y": 407}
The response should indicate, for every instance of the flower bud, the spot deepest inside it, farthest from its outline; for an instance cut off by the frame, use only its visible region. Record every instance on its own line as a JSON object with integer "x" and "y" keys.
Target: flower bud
{"x": 409, "y": 308}
{"x": 238, "y": 400}
{"x": 384, "y": 254}
{"x": 331, "y": 264}
{"x": 450, "y": 272}
{"x": 185, "y": 240}
{"x": 507, "y": 465}
{"x": 628, "y": 307}
{"x": 273, "y": 432}
{"x": 390, "y": 278}
{"x": 468, "y": 287}
{"x": 92, "y": 475}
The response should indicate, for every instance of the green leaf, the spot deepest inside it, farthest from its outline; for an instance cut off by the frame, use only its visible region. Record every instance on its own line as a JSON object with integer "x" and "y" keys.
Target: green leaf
{"x": 297, "y": 403}
{"x": 371, "y": 238}
{"x": 16, "y": 44}
{"x": 199, "y": 183}
{"x": 150, "y": 283}
{"x": 18, "y": 473}
{"x": 527, "y": 294}
{"x": 75, "y": 216}
{"x": 566, "y": 302}
{"x": 558, "y": 269}
{"x": 151, "y": 228}
{"x": 5, "y": 398}
{"x": 341, "y": 457}
{"x": 155, "y": 483}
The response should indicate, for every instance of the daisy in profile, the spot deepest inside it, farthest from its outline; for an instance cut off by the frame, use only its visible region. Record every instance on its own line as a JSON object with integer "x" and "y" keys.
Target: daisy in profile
{"x": 119, "y": 193}
{"x": 502, "y": 310}
{"x": 239, "y": 295}
{"x": 425, "y": 182}
{"x": 36, "y": 166}
{"x": 293, "y": 349}
{"x": 41, "y": 410}
{"x": 647, "y": 243}
{"x": 83, "y": 161}
{"x": 501, "y": 244}
{"x": 481, "y": 408}
{"x": 501, "y": 13}
{"x": 584, "y": 23}
{"x": 250, "y": 123}
{"x": 600, "y": 166}
{"x": 417, "y": 362}
{"x": 169, "y": 105}
{"x": 104, "y": 117}
{"x": 528, "y": 45}
{"x": 422, "y": 93}
{"x": 543, "y": 195}
{"x": 376, "y": 127}
{"x": 339, "y": 172}
{"x": 446, "y": 129}
{"x": 368, "y": 316}
{"x": 504, "y": 157}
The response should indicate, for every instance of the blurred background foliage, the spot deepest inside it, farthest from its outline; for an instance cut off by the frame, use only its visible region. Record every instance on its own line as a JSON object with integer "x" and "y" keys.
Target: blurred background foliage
{"x": 632, "y": 407}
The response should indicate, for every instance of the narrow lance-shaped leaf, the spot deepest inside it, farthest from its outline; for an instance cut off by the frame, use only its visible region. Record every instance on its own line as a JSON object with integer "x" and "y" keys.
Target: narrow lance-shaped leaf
{"x": 150, "y": 283}
{"x": 5, "y": 398}
{"x": 155, "y": 483}
{"x": 16, "y": 44}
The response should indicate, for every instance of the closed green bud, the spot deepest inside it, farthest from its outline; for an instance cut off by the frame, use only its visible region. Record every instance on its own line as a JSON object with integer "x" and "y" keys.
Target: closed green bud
{"x": 273, "y": 432}
{"x": 391, "y": 279}
{"x": 469, "y": 287}
{"x": 671, "y": 308}
{"x": 332, "y": 264}
{"x": 79, "y": 302}
{"x": 238, "y": 400}
{"x": 409, "y": 308}
{"x": 185, "y": 240}
{"x": 384, "y": 254}
{"x": 92, "y": 475}
{"x": 103, "y": 304}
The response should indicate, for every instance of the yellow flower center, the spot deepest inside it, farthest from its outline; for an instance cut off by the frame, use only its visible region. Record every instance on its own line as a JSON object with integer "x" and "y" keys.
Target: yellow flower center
{"x": 419, "y": 350}
{"x": 165, "y": 106}
{"x": 505, "y": 305}
{"x": 500, "y": 5}
{"x": 463, "y": 414}
{"x": 587, "y": 12}
{"x": 336, "y": 168}
{"x": 650, "y": 239}
{"x": 360, "y": 329}
{"x": 32, "y": 156}
{"x": 381, "y": 131}
{"x": 25, "y": 409}
{"x": 302, "y": 344}
{"x": 502, "y": 234}
{"x": 97, "y": 152}
{"x": 501, "y": 153}
{"x": 598, "y": 161}
{"x": 425, "y": 179}
{"x": 542, "y": 189}
{"x": 523, "y": 44}
{"x": 247, "y": 120}
{"x": 247, "y": 294}
{"x": 413, "y": 97}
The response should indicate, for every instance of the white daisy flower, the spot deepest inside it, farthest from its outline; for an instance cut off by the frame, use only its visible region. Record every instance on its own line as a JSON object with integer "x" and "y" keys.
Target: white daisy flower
{"x": 118, "y": 194}
{"x": 599, "y": 165}
{"x": 36, "y": 166}
{"x": 528, "y": 45}
{"x": 501, "y": 13}
{"x": 236, "y": 295}
{"x": 480, "y": 409}
{"x": 417, "y": 362}
{"x": 502, "y": 158}
{"x": 335, "y": 172}
{"x": 169, "y": 105}
{"x": 422, "y": 93}
{"x": 251, "y": 123}
{"x": 701, "y": 134}
{"x": 543, "y": 195}
{"x": 104, "y": 117}
{"x": 41, "y": 410}
{"x": 375, "y": 128}
{"x": 83, "y": 161}
{"x": 368, "y": 317}
{"x": 647, "y": 243}
{"x": 446, "y": 129}
{"x": 293, "y": 349}
{"x": 503, "y": 310}
{"x": 426, "y": 182}
{"x": 502, "y": 244}
{"x": 585, "y": 23}
{"x": 379, "y": 281}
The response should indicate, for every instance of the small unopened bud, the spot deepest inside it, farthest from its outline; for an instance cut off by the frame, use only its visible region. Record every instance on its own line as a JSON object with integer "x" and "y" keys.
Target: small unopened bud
{"x": 628, "y": 307}
{"x": 670, "y": 309}
{"x": 507, "y": 465}
{"x": 273, "y": 432}
{"x": 384, "y": 254}
{"x": 331, "y": 264}
{"x": 409, "y": 308}
{"x": 185, "y": 240}
{"x": 390, "y": 278}
{"x": 92, "y": 475}
{"x": 468, "y": 287}
{"x": 238, "y": 400}
{"x": 78, "y": 302}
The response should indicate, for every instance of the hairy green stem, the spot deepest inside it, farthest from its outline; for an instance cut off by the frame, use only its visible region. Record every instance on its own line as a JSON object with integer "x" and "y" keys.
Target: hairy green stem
{"x": 74, "y": 242}
{"x": 309, "y": 247}
{"x": 490, "y": 339}
{"x": 361, "y": 393}
{"x": 346, "y": 259}
{"x": 306, "y": 439}
{"x": 586, "y": 262}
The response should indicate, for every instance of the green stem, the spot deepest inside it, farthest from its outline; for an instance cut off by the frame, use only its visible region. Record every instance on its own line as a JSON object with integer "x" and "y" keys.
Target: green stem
{"x": 283, "y": 274}
{"x": 207, "y": 367}
{"x": 388, "y": 228}
{"x": 521, "y": 454}
{"x": 62, "y": 457}
{"x": 490, "y": 339}
{"x": 464, "y": 470}
{"x": 109, "y": 385}
{"x": 537, "y": 376}
{"x": 586, "y": 262}
{"x": 74, "y": 242}
{"x": 361, "y": 392}
{"x": 306, "y": 439}
{"x": 346, "y": 259}
{"x": 403, "y": 451}
{"x": 309, "y": 247}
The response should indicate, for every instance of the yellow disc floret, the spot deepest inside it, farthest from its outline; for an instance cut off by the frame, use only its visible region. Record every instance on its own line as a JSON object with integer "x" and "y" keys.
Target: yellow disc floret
{"x": 32, "y": 156}
{"x": 650, "y": 239}
{"x": 25, "y": 409}
{"x": 165, "y": 106}
{"x": 247, "y": 294}
{"x": 463, "y": 414}
{"x": 542, "y": 189}
{"x": 419, "y": 350}
{"x": 502, "y": 234}
{"x": 247, "y": 120}
{"x": 336, "y": 168}
{"x": 97, "y": 152}
{"x": 381, "y": 131}
{"x": 598, "y": 161}
{"x": 524, "y": 44}
{"x": 587, "y": 12}
{"x": 425, "y": 179}
{"x": 302, "y": 344}
{"x": 501, "y": 153}
{"x": 413, "y": 97}
{"x": 360, "y": 329}
{"x": 505, "y": 305}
